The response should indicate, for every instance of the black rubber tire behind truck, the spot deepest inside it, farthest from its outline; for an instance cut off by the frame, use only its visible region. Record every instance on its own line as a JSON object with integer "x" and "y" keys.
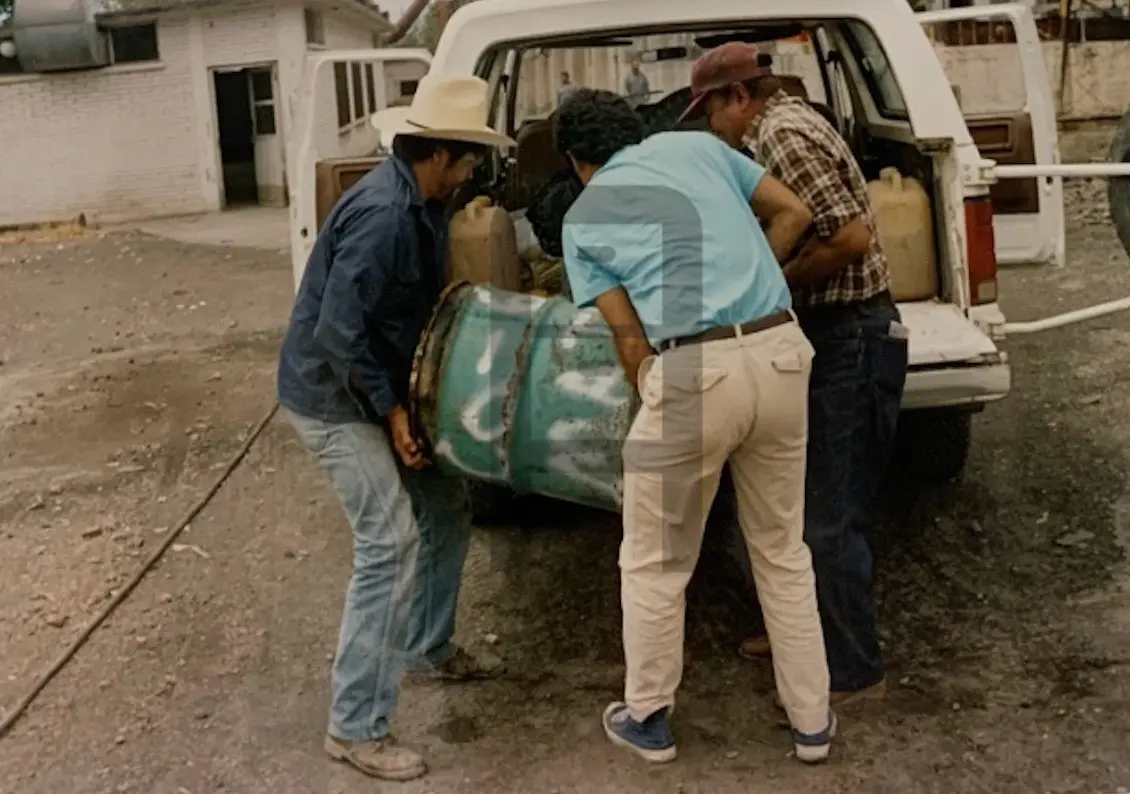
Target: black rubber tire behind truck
{"x": 1118, "y": 188}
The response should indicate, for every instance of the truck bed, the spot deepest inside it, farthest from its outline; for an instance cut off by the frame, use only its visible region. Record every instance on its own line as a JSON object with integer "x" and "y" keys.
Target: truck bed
{"x": 952, "y": 362}
{"x": 941, "y": 334}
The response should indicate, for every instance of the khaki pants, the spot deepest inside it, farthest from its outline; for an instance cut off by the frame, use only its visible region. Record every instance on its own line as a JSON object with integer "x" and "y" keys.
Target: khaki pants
{"x": 742, "y": 400}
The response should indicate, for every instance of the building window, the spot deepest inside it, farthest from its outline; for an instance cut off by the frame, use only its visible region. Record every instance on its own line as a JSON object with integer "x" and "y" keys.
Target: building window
{"x": 371, "y": 87}
{"x": 263, "y": 102}
{"x": 358, "y": 91}
{"x": 341, "y": 88}
{"x": 315, "y": 28}
{"x": 134, "y": 43}
{"x": 356, "y": 88}
{"x": 408, "y": 87}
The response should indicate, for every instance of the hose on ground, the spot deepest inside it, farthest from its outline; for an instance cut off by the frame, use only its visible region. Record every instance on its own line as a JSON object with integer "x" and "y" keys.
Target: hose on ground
{"x": 72, "y": 649}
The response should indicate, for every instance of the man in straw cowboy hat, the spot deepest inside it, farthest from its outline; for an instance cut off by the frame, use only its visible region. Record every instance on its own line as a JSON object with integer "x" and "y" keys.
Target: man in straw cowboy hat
{"x": 663, "y": 242}
{"x": 841, "y": 286}
{"x": 373, "y": 277}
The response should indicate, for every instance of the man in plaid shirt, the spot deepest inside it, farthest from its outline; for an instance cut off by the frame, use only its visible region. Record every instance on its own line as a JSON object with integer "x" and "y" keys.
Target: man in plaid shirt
{"x": 841, "y": 288}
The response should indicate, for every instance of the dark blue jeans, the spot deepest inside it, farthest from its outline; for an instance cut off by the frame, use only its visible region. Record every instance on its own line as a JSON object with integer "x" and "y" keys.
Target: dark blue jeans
{"x": 854, "y": 397}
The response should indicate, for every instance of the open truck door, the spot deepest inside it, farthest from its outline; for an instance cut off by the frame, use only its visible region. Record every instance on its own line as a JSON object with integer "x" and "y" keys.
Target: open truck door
{"x": 1021, "y": 147}
{"x": 1012, "y": 121}
{"x": 316, "y": 188}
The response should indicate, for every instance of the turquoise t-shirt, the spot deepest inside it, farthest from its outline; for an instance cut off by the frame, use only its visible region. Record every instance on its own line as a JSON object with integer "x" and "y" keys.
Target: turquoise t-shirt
{"x": 669, "y": 220}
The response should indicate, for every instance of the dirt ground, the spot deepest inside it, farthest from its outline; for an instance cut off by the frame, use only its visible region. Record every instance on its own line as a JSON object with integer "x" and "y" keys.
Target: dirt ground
{"x": 131, "y": 368}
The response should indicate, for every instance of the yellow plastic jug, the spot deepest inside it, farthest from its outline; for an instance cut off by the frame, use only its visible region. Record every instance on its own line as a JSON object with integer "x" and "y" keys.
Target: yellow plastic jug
{"x": 484, "y": 246}
{"x": 906, "y": 229}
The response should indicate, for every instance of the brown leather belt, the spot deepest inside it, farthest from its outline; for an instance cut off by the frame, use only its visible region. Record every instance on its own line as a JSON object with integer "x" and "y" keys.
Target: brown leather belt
{"x": 729, "y": 331}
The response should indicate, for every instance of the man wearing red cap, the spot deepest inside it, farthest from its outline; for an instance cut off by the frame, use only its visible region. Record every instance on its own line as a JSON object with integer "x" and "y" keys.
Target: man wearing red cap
{"x": 841, "y": 290}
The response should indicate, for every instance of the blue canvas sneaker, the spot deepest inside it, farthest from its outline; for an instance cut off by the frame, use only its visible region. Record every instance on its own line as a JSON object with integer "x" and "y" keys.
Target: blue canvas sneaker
{"x": 651, "y": 739}
{"x": 813, "y": 748}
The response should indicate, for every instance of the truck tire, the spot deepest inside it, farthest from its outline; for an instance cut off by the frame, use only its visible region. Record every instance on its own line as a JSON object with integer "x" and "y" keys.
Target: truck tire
{"x": 932, "y": 446}
{"x": 1118, "y": 188}
{"x": 492, "y": 505}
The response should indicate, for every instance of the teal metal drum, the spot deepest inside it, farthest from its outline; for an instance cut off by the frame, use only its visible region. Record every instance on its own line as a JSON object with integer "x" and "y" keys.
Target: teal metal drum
{"x": 525, "y": 392}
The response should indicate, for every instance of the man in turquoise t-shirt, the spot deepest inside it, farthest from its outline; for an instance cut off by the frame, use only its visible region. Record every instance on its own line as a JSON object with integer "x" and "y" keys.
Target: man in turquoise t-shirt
{"x": 664, "y": 243}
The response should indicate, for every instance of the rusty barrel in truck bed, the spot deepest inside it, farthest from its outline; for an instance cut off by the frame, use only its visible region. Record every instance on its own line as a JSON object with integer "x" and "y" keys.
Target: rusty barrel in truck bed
{"x": 523, "y": 392}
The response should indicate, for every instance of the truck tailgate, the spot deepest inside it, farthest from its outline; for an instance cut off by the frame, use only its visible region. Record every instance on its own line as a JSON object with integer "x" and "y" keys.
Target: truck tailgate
{"x": 940, "y": 334}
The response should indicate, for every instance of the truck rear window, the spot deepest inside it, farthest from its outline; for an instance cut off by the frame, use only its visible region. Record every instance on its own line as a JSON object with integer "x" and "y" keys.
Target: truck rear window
{"x": 652, "y": 68}
{"x": 652, "y": 71}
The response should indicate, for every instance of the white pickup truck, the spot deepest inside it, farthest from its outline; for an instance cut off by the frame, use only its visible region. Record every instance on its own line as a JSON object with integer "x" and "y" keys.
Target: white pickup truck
{"x": 874, "y": 69}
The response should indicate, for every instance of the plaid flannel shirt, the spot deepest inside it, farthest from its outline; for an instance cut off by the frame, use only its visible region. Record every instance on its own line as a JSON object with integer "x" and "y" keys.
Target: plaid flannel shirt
{"x": 795, "y": 144}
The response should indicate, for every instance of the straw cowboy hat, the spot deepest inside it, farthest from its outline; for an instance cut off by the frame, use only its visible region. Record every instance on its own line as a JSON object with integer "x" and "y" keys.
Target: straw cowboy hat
{"x": 448, "y": 107}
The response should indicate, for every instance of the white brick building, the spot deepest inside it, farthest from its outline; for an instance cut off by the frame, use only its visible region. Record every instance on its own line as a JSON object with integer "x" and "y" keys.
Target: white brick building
{"x": 195, "y": 113}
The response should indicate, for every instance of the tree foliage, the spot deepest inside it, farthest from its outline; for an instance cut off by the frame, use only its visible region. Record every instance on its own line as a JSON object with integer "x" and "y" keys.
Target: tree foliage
{"x": 425, "y": 33}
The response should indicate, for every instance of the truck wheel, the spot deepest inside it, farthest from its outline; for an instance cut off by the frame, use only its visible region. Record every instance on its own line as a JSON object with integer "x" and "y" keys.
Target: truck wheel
{"x": 492, "y": 504}
{"x": 932, "y": 446}
{"x": 1118, "y": 188}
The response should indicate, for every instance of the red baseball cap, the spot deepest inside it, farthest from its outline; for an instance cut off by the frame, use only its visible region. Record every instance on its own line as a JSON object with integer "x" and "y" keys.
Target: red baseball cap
{"x": 726, "y": 64}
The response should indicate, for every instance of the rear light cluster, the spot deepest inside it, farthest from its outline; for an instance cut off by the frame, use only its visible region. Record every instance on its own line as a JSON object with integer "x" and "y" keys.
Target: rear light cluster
{"x": 981, "y": 251}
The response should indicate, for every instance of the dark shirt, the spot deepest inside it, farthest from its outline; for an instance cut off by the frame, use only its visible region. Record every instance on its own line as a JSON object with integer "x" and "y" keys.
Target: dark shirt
{"x": 372, "y": 280}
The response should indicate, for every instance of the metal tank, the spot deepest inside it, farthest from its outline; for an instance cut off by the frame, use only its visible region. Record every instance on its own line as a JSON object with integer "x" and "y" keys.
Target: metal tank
{"x": 524, "y": 392}
{"x": 59, "y": 35}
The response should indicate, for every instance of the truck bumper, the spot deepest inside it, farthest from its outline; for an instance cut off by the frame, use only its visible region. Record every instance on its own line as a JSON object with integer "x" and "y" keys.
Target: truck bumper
{"x": 968, "y": 385}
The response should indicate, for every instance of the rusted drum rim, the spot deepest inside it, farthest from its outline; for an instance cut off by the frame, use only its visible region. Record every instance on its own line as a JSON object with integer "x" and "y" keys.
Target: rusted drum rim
{"x": 426, "y": 367}
{"x": 515, "y": 389}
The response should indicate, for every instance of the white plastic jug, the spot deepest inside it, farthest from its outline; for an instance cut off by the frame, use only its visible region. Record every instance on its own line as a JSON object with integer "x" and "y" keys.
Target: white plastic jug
{"x": 906, "y": 229}
{"x": 484, "y": 246}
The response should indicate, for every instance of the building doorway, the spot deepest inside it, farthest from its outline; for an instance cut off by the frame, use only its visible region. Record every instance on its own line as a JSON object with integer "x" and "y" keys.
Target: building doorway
{"x": 250, "y": 146}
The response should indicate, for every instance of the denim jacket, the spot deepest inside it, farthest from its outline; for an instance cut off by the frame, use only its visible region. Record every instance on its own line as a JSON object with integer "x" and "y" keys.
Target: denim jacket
{"x": 373, "y": 277}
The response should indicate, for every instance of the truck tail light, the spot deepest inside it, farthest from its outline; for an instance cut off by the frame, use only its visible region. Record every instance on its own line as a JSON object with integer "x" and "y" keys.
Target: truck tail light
{"x": 981, "y": 250}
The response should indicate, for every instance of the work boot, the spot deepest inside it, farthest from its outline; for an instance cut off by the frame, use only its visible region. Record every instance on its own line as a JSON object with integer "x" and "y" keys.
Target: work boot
{"x": 465, "y": 666}
{"x": 651, "y": 739}
{"x": 842, "y": 700}
{"x": 875, "y": 692}
{"x": 755, "y": 648}
{"x": 380, "y": 758}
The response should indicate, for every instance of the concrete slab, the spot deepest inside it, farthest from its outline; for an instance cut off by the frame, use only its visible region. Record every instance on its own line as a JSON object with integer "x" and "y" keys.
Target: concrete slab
{"x": 263, "y": 228}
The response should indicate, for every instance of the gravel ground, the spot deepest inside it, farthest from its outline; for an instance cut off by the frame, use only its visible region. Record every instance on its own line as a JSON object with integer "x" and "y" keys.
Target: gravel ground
{"x": 131, "y": 368}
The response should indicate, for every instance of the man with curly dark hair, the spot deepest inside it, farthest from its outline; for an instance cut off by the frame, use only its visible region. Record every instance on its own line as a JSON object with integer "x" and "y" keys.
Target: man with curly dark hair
{"x": 664, "y": 243}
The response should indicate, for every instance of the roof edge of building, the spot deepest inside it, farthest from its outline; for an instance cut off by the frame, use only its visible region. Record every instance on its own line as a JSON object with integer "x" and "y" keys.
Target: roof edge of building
{"x": 364, "y": 7}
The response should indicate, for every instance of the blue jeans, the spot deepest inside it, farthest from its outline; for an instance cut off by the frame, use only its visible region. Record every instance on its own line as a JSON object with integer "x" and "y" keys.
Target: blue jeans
{"x": 411, "y": 531}
{"x": 854, "y": 397}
